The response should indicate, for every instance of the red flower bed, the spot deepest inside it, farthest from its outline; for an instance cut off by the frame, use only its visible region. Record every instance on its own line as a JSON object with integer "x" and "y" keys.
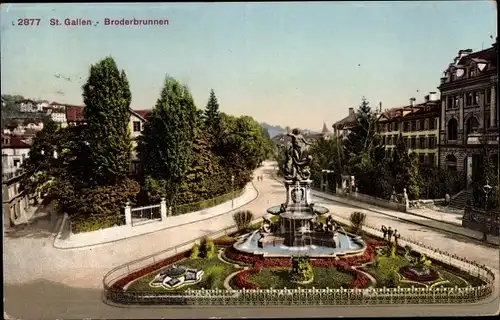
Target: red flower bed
{"x": 134, "y": 275}
{"x": 241, "y": 280}
{"x": 236, "y": 255}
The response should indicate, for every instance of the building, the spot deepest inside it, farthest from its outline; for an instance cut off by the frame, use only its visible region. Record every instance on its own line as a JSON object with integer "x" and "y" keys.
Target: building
{"x": 469, "y": 111}
{"x": 418, "y": 126}
{"x": 27, "y": 105}
{"x": 14, "y": 152}
{"x": 75, "y": 116}
{"x": 57, "y": 112}
{"x": 15, "y": 203}
{"x": 342, "y": 127}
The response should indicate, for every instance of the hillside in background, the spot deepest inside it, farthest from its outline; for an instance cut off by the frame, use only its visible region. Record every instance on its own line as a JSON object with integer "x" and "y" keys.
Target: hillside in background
{"x": 273, "y": 130}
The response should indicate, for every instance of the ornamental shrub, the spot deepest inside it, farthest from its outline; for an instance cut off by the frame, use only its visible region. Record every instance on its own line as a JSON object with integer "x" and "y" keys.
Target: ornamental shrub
{"x": 301, "y": 269}
{"x": 243, "y": 219}
{"x": 209, "y": 250}
{"x": 195, "y": 251}
{"x": 357, "y": 220}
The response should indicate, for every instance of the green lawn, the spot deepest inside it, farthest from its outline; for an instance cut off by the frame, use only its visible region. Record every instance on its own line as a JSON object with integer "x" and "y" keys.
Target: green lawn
{"x": 278, "y": 278}
{"x": 215, "y": 272}
{"x": 383, "y": 273}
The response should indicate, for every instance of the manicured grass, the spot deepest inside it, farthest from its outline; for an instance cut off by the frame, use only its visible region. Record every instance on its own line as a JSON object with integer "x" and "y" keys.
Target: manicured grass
{"x": 278, "y": 278}
{"x": 383, "y": 273}
{"x": 215, "y": 272}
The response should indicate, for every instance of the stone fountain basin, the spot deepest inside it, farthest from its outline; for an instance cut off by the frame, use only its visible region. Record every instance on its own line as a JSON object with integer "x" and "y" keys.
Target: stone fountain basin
{"x": 317, "y": 209}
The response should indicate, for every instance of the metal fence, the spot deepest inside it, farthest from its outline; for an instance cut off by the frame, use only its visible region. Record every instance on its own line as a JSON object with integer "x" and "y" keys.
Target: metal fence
{"x": 141, "y": 215}
{"x": 304, "y": 296}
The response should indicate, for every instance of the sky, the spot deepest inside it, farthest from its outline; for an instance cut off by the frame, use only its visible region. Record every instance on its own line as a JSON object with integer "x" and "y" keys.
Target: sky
{"x": 290, "y": 64}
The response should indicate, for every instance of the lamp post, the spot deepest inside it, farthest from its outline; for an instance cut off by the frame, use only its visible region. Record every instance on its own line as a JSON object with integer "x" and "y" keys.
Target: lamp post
{"x": 487, "y": 190}
{"x": 232, "y": 192}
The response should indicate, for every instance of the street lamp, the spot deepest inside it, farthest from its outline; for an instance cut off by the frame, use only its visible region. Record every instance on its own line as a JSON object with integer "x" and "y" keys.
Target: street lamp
{"x": 232, "y": 192}
{"x": 487, "y": 190}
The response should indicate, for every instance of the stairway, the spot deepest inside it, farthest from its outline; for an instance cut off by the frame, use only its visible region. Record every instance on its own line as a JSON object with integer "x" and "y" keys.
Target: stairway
{"x": 460, "y": 200}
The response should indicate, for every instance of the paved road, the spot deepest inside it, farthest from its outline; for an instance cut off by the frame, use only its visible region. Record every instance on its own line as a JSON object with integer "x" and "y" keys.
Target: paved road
{"x": 42, "y": 282}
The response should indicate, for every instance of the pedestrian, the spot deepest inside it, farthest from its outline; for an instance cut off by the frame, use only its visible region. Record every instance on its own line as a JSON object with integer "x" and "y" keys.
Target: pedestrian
{"x": 389, "y": 234}
{"x": 384, "y": 231}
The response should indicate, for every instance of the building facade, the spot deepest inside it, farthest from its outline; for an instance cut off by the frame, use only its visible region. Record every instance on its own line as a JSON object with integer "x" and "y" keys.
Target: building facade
{"x": 469, "y": 111}
{"x": 418, "y": 126}
{"x": 342, "y": 127}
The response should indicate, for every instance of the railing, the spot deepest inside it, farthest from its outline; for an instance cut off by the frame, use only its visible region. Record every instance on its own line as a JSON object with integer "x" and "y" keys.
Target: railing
{"x": 12, "y": 174}
{"x": 145, "y": 214}
{"x": 303, "y": 296}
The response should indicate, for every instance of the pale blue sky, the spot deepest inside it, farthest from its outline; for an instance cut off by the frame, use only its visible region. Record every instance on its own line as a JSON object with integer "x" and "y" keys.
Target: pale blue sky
{"x": 295, "y": 64}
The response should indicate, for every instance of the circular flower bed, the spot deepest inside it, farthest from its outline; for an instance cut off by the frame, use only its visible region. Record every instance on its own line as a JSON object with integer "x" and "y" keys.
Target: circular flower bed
{"x": 415, "y": 273}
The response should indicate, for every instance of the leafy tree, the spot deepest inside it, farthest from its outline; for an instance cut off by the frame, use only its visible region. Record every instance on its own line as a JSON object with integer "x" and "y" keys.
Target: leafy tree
{"x": 326, "y": 154}
{"x": 107, "y": 99}
{"x": 166, "y": 144}
{"x": 211, "y": 114}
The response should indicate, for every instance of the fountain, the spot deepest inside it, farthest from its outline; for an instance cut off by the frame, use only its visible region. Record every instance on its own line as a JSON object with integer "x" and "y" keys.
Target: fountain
{"x": 297, "y": 230}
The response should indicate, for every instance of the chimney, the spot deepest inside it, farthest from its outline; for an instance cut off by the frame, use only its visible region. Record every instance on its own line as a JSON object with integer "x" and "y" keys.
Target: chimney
{"x": 351, "y": 111}
{"x": 433, "y": 96}
{"x": 412, "y": 101}
{"x": 380, "y": 106}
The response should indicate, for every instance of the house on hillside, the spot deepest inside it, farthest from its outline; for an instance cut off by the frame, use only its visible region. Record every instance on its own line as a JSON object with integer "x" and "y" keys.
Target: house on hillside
{"x": 14, "y": 153}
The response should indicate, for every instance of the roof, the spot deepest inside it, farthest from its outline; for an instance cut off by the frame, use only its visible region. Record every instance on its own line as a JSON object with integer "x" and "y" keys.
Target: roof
{"x": 487, "y": 55}
{"x": 349, "y": 121}
{"x": 422, "y": 112}
{"x": 74, "y": 114}
{"x": 395, "y": 113}
{"x": 325, "y": 129}
{"x": 13, "y": 142}
{"x": 143, "y": 113}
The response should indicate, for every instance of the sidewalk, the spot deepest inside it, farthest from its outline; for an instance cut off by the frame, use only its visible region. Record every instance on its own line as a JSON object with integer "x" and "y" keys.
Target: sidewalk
{"x": 430, "y": 219}
{"x": 113, "y": 234}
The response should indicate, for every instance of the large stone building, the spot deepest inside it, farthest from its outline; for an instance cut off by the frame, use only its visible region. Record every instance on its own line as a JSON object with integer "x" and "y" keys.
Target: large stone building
{"x": 469, "y": 109}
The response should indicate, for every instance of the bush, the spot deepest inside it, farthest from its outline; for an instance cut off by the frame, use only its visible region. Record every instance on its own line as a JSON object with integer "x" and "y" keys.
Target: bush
{"x": 197, "y": 206}
{"x": 301, "y": 269}
{"x": 209, "y": 250}
{"x": 195, "y": 251}
{"x": 243, "y": 219}
{"x": 357, "y": 220}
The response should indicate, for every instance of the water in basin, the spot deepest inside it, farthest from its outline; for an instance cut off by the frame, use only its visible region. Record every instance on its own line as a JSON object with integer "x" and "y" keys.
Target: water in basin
{"x": 348, "y": 244}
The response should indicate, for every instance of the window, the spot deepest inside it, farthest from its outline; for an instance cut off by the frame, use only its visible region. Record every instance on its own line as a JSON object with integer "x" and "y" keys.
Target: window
{"x": 452, "y": 129}
{"x": 472, "y": 71}
{"x": 488, "y": 96}
{"x": 405, "y": 141}
{"x": 413, "y": 125}
{"x": 389, "y": 140}
{"x": 422, "y": 124}
{"x": 389, "y": 127}
{"x": 449, "y": 102}
{"x": 487, "y": 121}
{"x": 135, "y": 167}
{"x": 422, "y": 143}
{"x": 413, "y": 143}
{"x": 431, "y": 159}
{"x": 137, "y": 126}
{"x": 456, "y": 102}
{"x": 421, "y": 158}
{"x": 468, "y": 99}
{"x": 451, "y": 162}
{"x": 476, "y": 97}
{"x": 16, "y": 162}
{"x": 432, "y": 142}
{"x": 405, "y": 126}
{"x": 383, "y": 140}
{"x": 431, "y": 124}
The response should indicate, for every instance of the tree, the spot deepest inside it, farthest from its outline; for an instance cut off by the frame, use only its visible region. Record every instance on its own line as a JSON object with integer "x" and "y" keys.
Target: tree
{"x": 406, "y": 170}
{"x": 326, "y": 154}
{"x": 107, "y": 99}
{"x": 211, "y": 114}
{"x": 166, "y": 144}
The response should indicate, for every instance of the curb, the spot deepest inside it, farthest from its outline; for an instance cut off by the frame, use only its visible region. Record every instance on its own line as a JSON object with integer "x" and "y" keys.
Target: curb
{"x": 143, "y": 234}
{"x": 487, "y": 243}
